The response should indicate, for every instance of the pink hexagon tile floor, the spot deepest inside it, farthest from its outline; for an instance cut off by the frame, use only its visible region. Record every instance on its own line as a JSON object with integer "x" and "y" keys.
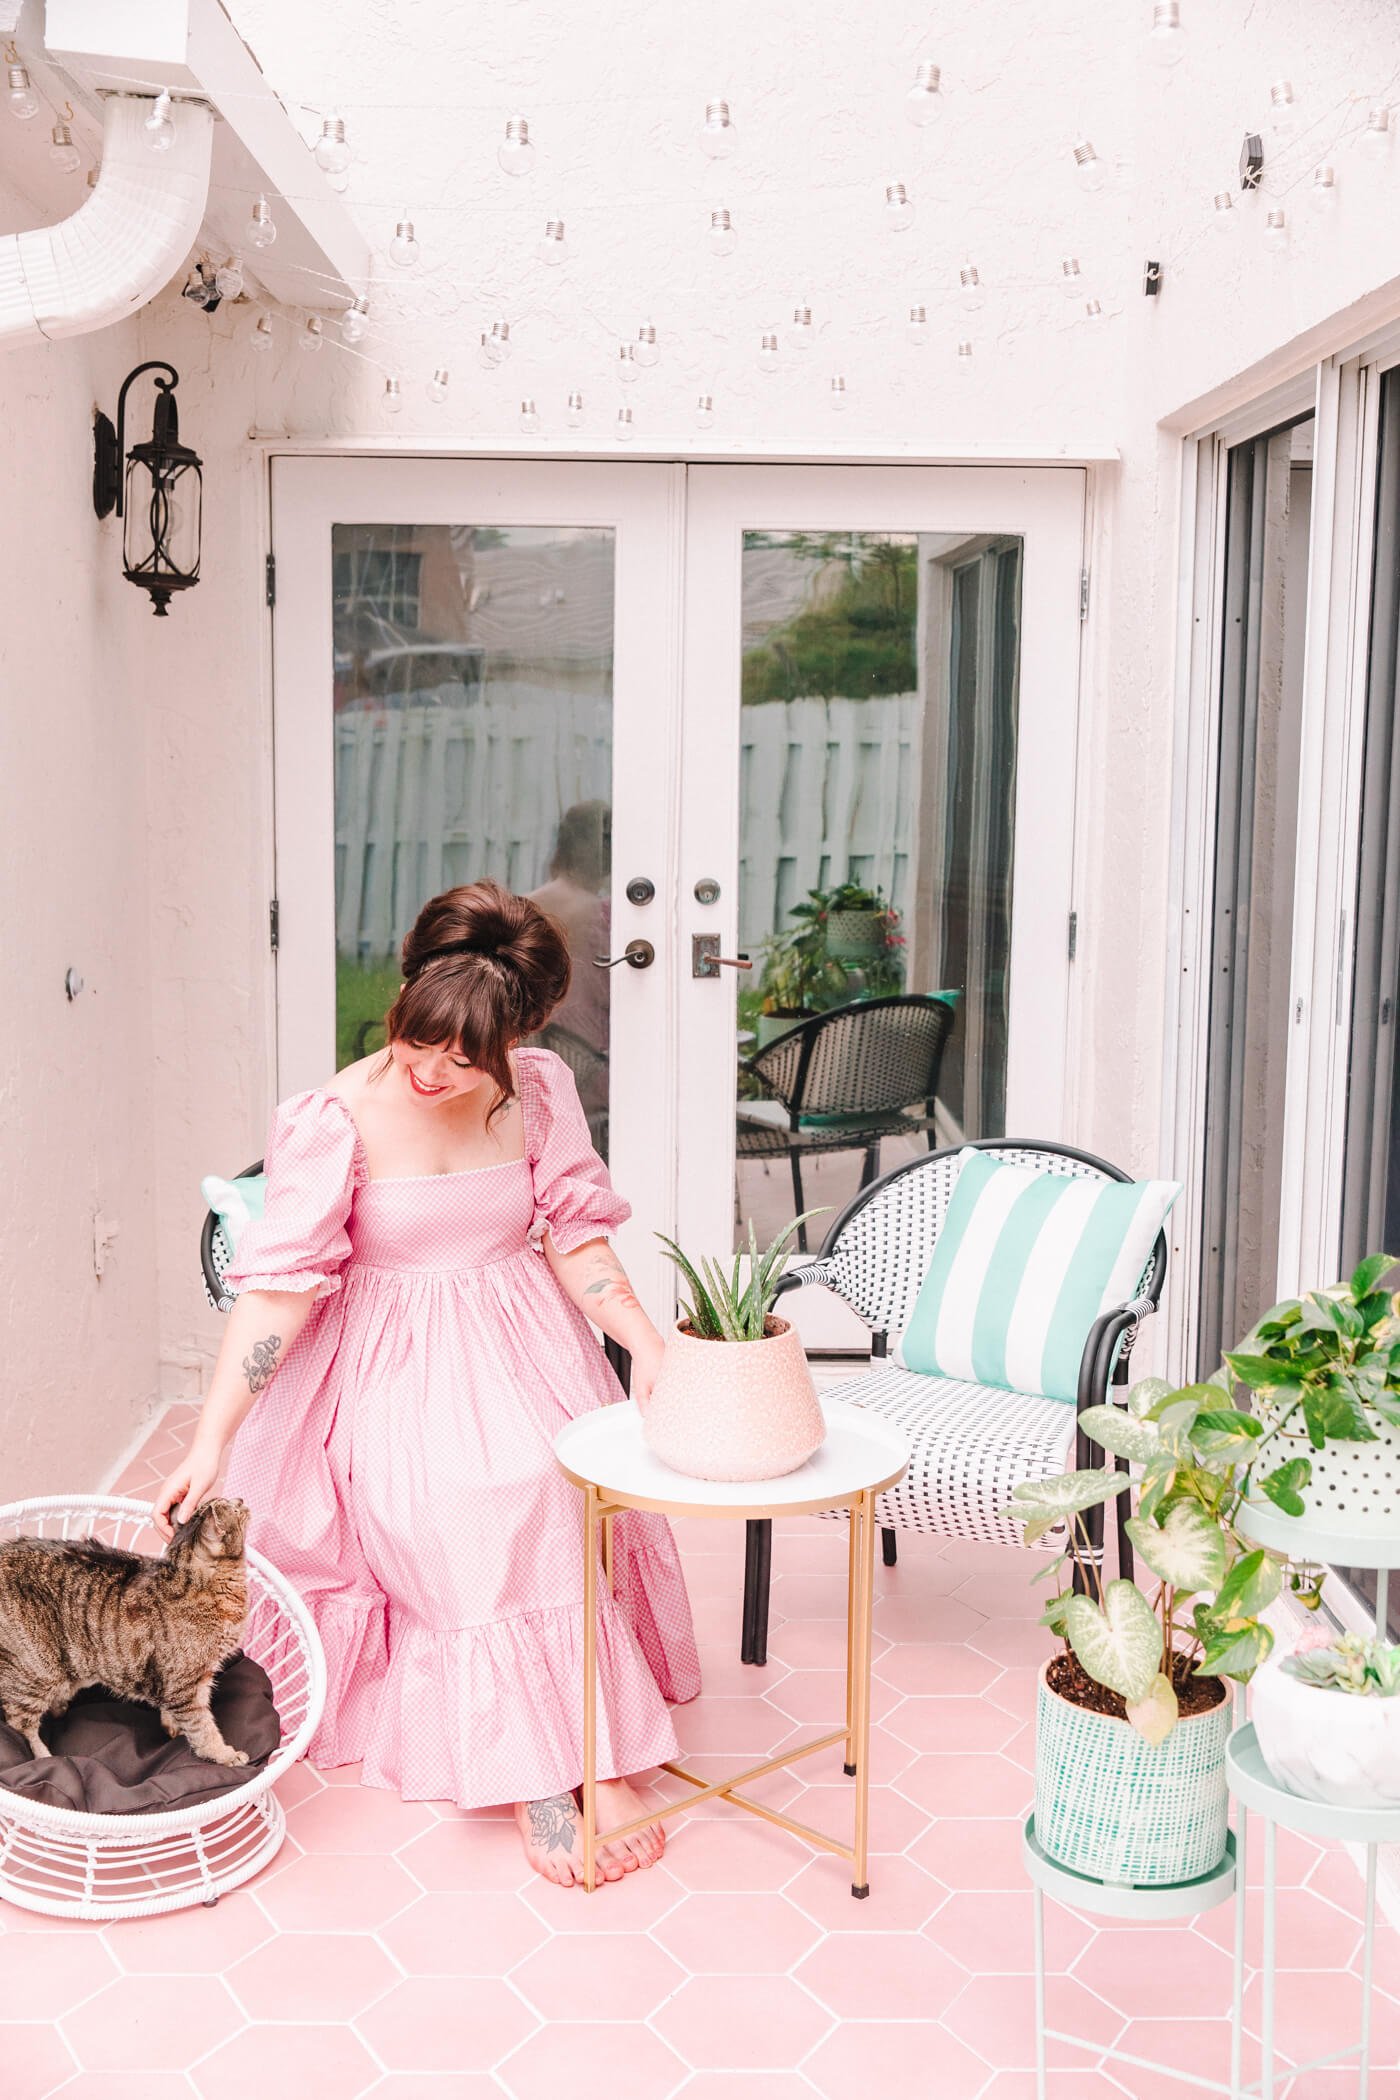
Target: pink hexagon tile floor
{"x": 405, "y": 1952}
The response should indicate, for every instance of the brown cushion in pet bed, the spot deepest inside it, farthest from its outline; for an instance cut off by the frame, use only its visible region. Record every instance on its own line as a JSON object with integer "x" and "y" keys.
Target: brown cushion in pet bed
{"x": 112, "y": 1757}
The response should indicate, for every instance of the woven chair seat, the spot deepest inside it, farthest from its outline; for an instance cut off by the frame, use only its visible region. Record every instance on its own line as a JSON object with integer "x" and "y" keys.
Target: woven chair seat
{"x": 763, "y": 1130}
{"x": 972, "y": 1445}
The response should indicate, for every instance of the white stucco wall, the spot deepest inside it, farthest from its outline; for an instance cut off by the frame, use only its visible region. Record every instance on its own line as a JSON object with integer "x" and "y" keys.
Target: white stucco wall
{"x": 172, "y": 788}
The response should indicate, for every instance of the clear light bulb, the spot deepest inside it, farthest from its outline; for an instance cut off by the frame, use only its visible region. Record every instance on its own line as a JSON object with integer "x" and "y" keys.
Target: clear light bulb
{"x": 159, "y": 126}
{"x": 92, "y": 175}
{"x": 1323, "y": 194}
{"x": 62, "y": 152}
{"x": 1276, "y": 233}
{"x": 515, "y": 153}
{"x": 260, "y": 231}
{"x": 646, "y": 349}
{"x": 551, "y": 247}
{"x": 228, "y": 279}
{"x": 704, "y": 411}
{"x": 393, "y": 397}
{"x": 718, "y": 137}
{"x": 529, "y": 417}
{"x": 624, "y": 429}
{"x": 899, "y": 209}
{"x": 965, "y": 358}
{"x": 573, "y": 412}
{"x": 924, "y": 102}
{"x": 1283, "y": 110}
{"x": 354, "y": 322}
{"x": 627, "y": 369}
{"x": 971, "y": 291}
{"x": 261, "y": 336}
{"x": 836, "y": 394}
{"x": 1071, "y": 277}
{"x": 495, "y": 347}
{"x": 769, "y": 358}
{"x": 1093, "y": 311}
{"x": 1375, "y": 139}
{"x": 403, "y": 248}
{"x": 916, "y": 327}
{"x": 437, "y": 386}
{"x": 1089, "y": 166}
{"x": 330, "y": 150}
{"x": 20, "y": 95}
{"x": 1223, "y": 217}
{"x": 801, "y": 333}
{"x": 312, "y": 335}
{"x": 721, "y": 236}
{"x": 1164, "y": 43}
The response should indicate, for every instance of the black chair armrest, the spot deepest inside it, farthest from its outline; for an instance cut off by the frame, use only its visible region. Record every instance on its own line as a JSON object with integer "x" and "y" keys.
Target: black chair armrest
{"x": 810, "y": 1272}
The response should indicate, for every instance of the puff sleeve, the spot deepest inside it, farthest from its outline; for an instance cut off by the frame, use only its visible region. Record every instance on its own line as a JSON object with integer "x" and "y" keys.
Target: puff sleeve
{"x": 574, "y": 1199}
{"x": 313, "y": 1166}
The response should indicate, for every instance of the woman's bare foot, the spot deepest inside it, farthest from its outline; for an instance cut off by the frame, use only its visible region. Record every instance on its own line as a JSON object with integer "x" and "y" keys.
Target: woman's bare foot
{"x": 552, "y": 1834}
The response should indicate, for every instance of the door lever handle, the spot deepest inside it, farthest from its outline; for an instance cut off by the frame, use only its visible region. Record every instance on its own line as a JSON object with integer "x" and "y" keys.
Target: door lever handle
{"x": 706, "y": 960}
{"x": 640, "y": 954}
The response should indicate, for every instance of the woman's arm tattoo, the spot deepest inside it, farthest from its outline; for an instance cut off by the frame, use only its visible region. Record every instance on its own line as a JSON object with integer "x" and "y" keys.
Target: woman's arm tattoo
{"x": 609, "y": 1281}
{"x": 260, "y": 1366}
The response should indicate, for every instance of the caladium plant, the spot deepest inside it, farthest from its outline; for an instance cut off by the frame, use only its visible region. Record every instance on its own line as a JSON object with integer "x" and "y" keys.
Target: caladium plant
{"x": 1324, "y": 1367}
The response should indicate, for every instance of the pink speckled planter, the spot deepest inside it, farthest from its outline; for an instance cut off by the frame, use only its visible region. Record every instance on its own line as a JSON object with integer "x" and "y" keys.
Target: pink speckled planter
{"x": 734, "y": 1410}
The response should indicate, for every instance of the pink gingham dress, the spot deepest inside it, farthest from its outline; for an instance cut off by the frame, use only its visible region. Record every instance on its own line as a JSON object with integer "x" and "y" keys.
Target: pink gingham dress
{"x": 400, "y": 1471}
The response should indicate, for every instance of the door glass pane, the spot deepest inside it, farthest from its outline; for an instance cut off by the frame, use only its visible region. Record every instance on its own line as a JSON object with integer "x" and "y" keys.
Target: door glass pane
{"x": 1269, "y": 501}
{"x": 473, "y": 737}
{"x": 877, "y": 808}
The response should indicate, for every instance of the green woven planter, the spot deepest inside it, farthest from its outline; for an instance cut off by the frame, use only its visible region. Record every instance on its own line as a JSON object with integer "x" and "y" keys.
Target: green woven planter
{"x": 1109, "y": 1805}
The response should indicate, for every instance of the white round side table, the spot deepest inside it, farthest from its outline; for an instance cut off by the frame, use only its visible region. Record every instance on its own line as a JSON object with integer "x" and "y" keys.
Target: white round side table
{"x": 604, "y": 1453}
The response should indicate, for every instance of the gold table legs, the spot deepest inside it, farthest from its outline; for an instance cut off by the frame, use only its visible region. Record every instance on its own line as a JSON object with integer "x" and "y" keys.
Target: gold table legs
{"x": 860, "y": 1600}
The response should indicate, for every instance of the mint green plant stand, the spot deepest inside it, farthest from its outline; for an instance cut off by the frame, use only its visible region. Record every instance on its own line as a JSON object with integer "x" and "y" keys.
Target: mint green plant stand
{"x": 1337, "y": 1540}
{"x": 1111, "y": 1899}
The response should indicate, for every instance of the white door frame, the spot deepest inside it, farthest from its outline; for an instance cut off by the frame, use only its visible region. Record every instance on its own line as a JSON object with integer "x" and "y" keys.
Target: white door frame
{"x": 1046, "y": 508}
{"x": 643, "y": 504}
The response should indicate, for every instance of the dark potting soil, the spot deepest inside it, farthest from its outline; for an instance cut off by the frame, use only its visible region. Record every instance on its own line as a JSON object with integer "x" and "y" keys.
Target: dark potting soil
{"x": 1195, "y": 1695}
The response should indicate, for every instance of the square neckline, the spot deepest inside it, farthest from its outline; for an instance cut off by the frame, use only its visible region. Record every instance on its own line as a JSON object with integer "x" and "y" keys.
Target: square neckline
{"x": 453, "y": 1173}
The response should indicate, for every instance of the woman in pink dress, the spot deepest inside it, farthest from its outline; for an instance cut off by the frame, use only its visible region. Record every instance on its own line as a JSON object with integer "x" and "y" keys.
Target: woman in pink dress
{"x": 411, "y": 1331}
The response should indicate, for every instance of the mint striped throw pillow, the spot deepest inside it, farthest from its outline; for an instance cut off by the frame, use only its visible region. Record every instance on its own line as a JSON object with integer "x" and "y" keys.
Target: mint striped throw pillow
{"x": 1024, "y": 1265}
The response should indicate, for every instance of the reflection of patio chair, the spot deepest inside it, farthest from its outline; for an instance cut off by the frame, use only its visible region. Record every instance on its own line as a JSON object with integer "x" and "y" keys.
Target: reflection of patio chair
{"x": 972, "y": 1445}
{"x": 589, "y": 1066}
{"x": 843, "y": 1081}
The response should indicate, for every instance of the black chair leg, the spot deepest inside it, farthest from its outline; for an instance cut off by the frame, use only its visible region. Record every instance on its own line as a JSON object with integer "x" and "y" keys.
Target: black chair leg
{"x": 795, "y": 1162}
{"x": 1125, "y": 1544}
{"x": 872, "y": 1165}
{"x": 758, "y": 1571}
{"x": 889, "y": 1545}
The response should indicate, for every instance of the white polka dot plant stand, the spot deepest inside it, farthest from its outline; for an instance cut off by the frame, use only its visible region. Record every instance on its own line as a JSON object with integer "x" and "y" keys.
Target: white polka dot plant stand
{"x": 603, "y": 1453}
{"x": 74, "y": 1864}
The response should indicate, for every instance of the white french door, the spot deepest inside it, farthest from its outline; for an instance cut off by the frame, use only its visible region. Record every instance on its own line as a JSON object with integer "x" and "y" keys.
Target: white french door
{"x": 674, "y": 702}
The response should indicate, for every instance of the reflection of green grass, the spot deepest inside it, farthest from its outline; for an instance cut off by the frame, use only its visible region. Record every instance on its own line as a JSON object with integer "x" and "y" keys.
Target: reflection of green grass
{"x": 363, "y": 992}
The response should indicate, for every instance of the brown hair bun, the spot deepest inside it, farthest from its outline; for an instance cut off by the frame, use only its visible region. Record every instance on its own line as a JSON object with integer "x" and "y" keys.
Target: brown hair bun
{"x": 482, "y": 968}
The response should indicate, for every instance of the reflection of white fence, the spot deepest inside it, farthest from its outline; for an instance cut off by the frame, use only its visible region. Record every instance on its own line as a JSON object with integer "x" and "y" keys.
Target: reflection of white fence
{"x": 432, "y": 795}
{"x": 429, "y": 796}
{"x": 829, "y": 793}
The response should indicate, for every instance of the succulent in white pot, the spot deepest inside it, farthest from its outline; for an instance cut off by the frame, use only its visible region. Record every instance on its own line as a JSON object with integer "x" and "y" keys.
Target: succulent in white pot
{"x": 1327, "y": 1718}
{"x": 734, "y": 1398}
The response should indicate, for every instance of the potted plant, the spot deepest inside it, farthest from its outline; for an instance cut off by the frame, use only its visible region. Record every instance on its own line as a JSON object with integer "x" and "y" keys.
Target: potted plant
{"x": 1133, "y": 1715}
{"x": 1328, "y": 1720}
{"x": 734, "y": 1399}
{"x": 1323, "y": 1373}
{"x": 846, "y": 942}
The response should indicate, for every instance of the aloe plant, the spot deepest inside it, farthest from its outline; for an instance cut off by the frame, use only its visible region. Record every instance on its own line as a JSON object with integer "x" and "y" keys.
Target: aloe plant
{"x": 720, "y": 1309}
{"x": 1351, "y": 1663}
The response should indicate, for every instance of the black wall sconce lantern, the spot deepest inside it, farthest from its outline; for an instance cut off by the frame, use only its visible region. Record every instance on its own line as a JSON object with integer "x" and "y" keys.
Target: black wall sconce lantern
{"x": 161, "y": 503}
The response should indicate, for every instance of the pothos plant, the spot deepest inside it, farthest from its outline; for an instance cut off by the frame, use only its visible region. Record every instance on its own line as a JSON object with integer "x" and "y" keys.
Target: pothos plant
{"x": 1319, "y": 1363}
{"x": 798, "y": 973}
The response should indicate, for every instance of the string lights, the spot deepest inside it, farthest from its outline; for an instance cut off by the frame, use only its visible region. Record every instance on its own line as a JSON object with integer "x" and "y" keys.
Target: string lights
{"x": 393, "y": 396}
{"x": 495, "y": 346}
{"x": 704, "y": 411}
{"x": 552, "y": 248}
{"x": 646, "y": 350}
{"x": 62, "y": 151}
{"x": 924, "y": 101}
{"x": 573, "y": 411}
{"x": 331, "y": 153}
{"x": 721, "y": 238}
{"x": 529, "y": 417}
{"x": 515, "y": 153}
{"x": 624, "y": 429}
{"x": 437, "y": 386}
{"x": 1164, "y": 42}
{"x": 1323, "y": 194}
{"x": 836, "y": 394}
{"x": 1223, "y": 217}
{"x": 965, "y": 358}
{"x": 971, "y": 291}
{"x": 801, "y": 334}
{"x": 312, "y": 335}
{"x": 718, "y": 138}
{"x": 899, "y": 208}
{"x": 1071, "y": 277}
{"x": 260, "y": 230}
{"x": 159, "y": 125}
{"x": 354, "y": 322}
{"x": 228, "y": 278}
{"x": 627, "y": 370}
{"x": 1375, "y": 139}
{"x": 1089, "y": 167}
{"x": 769, "y": 358}
{"x": 262, "y": 335}
{"x": 403, "y": 250}
{"x": 20, "y": 96}
{"x": 916, "y": 327}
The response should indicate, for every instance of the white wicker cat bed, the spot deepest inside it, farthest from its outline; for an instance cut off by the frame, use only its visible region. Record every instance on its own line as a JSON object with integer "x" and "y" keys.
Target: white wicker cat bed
{"x": 75, "y": 1865}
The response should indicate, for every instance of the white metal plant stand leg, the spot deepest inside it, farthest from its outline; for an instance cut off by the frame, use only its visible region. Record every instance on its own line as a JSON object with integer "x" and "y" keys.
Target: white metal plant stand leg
{"x": 1107, "y": 1899}
{"x": 1254, "y": 1787}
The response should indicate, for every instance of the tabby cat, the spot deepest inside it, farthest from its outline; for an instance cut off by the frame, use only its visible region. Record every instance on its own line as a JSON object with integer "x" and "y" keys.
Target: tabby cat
{"x": 76, "y": 1612}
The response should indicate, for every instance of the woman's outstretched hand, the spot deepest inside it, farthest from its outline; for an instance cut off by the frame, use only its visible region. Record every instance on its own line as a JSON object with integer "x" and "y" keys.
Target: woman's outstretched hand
{"x": 646, "y": 1363}
{"x": 183, "y": 1491}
